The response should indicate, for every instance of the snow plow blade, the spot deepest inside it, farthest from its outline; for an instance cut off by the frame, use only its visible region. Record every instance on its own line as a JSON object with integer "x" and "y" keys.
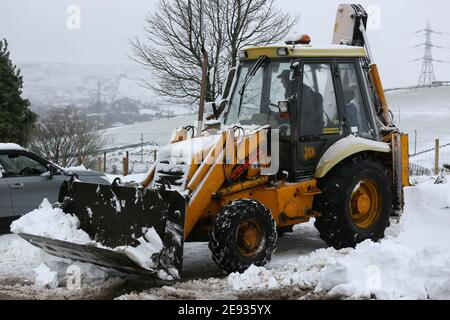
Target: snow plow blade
{"x": 122, "y": 217}
{"x": 89, "y": 254}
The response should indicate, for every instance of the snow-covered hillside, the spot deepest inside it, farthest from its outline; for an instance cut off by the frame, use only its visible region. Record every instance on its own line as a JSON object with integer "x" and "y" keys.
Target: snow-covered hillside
{"x": 60, "y": 84}
{"x": 427, "y": 111}
{"x": 158, "y": 131}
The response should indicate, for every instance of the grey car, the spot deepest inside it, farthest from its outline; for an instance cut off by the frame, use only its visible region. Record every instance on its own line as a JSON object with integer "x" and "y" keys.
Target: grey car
{"x": 26, "y": 179}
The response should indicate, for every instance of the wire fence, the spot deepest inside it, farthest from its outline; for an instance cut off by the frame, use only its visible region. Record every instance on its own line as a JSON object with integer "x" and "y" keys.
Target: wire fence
{"x": 429, "y": 156}
{"x": 125, "y": 160}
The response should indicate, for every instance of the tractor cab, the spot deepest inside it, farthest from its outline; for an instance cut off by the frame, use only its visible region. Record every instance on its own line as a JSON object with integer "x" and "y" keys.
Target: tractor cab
{"x": 312, "y": 96}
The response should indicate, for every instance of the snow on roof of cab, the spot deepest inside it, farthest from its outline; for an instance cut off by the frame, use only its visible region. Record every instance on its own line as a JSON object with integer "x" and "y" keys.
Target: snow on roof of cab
{"x": 10, "y": 146}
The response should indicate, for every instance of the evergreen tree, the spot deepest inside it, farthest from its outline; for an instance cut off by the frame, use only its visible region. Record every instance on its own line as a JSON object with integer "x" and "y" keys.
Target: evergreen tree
{"x": 16, "y": 119}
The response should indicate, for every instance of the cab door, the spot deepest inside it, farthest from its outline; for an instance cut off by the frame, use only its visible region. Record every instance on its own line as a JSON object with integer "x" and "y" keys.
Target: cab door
{"x": 320, "y": 120}
{"x": 358, "y": 114}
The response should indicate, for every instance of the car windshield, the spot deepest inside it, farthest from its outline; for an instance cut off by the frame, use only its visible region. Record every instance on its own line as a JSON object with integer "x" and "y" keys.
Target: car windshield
{"x": 255, "y": 97}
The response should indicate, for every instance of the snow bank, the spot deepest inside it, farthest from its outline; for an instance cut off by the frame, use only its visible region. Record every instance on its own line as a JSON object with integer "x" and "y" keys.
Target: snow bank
{"x": 51, "y": 223}
{"x": 412, "y": 263}
{"x": 448, "y": 199}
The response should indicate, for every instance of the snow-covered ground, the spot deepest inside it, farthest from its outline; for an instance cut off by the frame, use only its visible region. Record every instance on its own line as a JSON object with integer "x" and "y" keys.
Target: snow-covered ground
{"x": 157, "y": 131}
{"x": 139, "y": 162}
{"x": 412, "y": 262}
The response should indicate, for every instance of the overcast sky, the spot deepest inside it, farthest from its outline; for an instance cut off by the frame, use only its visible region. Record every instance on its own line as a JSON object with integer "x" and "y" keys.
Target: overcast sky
{"x": 37, "y": 31}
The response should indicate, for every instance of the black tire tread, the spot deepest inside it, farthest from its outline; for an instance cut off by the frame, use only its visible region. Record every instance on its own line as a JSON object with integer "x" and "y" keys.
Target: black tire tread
{"x": 333, "y": 227}
{"x": 222, "y": 235}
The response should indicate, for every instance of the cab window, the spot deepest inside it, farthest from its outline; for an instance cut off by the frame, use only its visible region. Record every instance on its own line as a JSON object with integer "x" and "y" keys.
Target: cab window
{"x": 355, "y": 112}
{"x": 319, "y": 111}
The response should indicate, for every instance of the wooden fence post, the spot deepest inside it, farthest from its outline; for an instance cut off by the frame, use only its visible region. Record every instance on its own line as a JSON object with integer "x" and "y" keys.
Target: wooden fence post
{"x": 415, "y": 142}
{"x": 125, "y": 164}
{"x": 127, "y": 157}
{"x": 104, "y": 162}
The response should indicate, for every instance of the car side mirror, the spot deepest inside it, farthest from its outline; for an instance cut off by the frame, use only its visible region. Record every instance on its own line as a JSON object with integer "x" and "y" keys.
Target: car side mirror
{"x": 52, "y": 170}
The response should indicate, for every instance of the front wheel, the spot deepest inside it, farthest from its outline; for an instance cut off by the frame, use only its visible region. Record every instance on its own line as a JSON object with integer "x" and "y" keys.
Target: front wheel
{"x": 355, "y": 203}
{"x": 243, "y": 233}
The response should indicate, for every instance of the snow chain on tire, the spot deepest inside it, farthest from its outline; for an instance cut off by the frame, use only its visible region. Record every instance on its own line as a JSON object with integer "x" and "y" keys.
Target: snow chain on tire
{"x": 224, "y": 234}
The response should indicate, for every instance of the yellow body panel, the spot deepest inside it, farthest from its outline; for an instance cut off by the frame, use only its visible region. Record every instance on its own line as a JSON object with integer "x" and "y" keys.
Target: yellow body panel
{"x": 202, "y": 197}
{"x": 306, "y": 51}
{"x": 289, "y": 203}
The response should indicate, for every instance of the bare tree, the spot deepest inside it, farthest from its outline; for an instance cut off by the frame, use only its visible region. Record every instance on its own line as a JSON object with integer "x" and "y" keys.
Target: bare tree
{"x": 67, "y": 138}
{"x": 178, "y": 31}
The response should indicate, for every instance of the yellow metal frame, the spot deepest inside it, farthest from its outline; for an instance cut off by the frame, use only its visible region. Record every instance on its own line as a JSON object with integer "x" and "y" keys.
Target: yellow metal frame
{"x": 290, "y": 204}
{"x": 404, "y": 140}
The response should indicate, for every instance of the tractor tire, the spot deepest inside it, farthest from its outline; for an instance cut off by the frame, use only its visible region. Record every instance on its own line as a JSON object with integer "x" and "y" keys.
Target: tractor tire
{"x": 243, "y": 234}
{"x": 355, "y": 204}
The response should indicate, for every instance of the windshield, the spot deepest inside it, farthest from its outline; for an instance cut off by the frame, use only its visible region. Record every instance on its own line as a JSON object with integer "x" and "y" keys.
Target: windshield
{"x": 255, "y": 98}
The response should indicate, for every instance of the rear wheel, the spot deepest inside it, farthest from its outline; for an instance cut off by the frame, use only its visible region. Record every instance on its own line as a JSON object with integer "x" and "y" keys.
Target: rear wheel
{"x": 242, "y": 234}
{"x": 355, "y": 203}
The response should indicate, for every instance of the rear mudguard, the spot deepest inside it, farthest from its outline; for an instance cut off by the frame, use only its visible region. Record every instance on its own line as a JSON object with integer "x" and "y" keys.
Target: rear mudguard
{"x": 118, "y": 216}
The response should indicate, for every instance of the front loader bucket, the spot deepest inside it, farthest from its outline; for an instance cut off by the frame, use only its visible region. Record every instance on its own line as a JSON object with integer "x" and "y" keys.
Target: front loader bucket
{"x": 120, "y": 217}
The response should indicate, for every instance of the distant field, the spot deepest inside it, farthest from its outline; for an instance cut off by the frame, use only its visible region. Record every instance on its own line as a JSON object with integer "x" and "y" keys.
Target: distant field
{"x": 157, "y": 131}
{"x": 426, "y": 110}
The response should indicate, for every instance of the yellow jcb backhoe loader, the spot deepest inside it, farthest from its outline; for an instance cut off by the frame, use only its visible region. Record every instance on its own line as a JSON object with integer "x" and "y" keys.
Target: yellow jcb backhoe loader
{"x": 302, "y": 132}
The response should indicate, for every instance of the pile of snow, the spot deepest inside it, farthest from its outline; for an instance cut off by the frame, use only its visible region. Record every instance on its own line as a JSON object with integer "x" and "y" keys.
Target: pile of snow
{"x": 413, "y": 262}
{"x": 52, "y": 223}
{"x": 45, "y": 277}
{"x": 149, "y": 244}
